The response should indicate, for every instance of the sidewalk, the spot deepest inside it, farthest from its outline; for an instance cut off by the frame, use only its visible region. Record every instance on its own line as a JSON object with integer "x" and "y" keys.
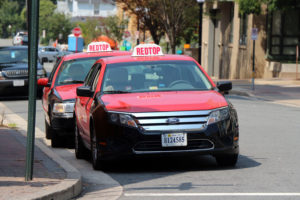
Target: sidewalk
{"x": 12, "y": 168}
{"x": 49, "y": 178}
{"x": 282, "y": 91}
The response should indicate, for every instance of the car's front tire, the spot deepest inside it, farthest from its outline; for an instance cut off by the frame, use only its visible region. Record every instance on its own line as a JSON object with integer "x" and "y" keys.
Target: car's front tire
{"x": 56, "y": 140}
{"x": 95, "y": 149}
{"x": 80, "y": 149}
{"x": 49, "y": 131}
{"x": 227, "y": 160}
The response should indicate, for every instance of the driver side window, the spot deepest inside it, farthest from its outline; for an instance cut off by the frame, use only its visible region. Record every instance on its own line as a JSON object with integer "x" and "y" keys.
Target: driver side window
{"x": 92, "y": 75}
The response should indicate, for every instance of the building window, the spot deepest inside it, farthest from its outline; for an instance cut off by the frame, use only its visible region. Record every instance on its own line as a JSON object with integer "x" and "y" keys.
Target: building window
{"x": 231, "y": 23}
{"x": 243, "y": 29}
{"x": 285, "y": 33}
{"x": 96, "y": 9}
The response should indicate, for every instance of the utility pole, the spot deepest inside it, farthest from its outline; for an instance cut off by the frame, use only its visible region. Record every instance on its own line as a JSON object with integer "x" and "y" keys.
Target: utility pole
{"x": 200, "y": 29}
{"x": 33, "y": 22}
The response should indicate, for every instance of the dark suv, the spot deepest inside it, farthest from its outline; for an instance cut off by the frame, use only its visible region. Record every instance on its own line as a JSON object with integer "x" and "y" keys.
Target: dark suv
{"x": 14, "y": 71}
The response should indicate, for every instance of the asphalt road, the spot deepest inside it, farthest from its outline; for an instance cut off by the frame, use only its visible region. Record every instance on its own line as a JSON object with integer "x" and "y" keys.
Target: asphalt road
{"x": 268, "y": 167}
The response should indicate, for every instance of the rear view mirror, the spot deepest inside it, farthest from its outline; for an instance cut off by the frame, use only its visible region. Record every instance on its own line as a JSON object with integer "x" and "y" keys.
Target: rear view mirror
{"x": 43, "y": 82}
{"x": 84, "y": 91}
{"x": 224, "y": 86}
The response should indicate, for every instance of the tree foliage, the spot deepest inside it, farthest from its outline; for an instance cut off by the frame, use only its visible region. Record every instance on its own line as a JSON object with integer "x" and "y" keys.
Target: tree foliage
{"x": 177, "y": 16}
{"x": 146, "y": 12}
{"x": 160, "y": 17}
{"x": 90, "y": 29}
{"x": 59, "y": 27}
{"x": 10, "y": 20}
{"x": 115, "y": 27}
{"x": 254, "y": 6}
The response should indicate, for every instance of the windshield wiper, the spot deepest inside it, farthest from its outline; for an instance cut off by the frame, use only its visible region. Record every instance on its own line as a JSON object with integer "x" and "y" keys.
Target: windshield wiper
{"x": 116, "y": 92}
{"x": 71, "y": 81}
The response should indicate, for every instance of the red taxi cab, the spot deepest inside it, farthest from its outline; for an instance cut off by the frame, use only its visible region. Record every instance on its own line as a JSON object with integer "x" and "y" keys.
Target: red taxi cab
{"x": 150, "y": 103}
{"x": 60, "y": 90}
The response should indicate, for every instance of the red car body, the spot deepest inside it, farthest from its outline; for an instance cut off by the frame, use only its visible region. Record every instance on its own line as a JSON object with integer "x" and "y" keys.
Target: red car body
{"x": 62, "y": 124}
{"x": 153, "y": 113}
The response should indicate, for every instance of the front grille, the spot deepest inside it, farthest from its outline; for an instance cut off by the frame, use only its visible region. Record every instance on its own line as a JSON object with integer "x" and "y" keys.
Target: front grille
{"x": 16, "y": 73}
{"x": 172, "y": 121}
{"x": 156, "y": 146}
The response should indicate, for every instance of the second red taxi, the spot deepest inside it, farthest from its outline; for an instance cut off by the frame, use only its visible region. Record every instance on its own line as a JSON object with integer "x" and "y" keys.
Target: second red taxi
{"x": 60, "y": 90}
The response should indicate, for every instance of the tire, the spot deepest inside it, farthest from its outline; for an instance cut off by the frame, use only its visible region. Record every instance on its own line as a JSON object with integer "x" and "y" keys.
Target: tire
{"x": 95, "y": 148}
{"x": 227, "y": 160}
{"x": 49, "y": 131}
{"x": 56, "y": 140}
{"x": 80, "y": 150}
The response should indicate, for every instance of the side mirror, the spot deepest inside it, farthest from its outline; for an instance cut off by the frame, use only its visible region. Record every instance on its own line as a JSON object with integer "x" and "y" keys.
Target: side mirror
{"x": 44, "y": 82}
{"x": 84, "y": 91}
{"x": 224, "y": 86}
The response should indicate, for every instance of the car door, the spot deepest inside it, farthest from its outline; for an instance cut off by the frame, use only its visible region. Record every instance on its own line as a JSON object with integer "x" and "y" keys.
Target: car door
{"x": 83, "y": 104}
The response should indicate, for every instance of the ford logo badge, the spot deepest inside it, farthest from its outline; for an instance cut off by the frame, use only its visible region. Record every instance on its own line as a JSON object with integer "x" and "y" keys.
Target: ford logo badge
{"x": 172, "y": 120}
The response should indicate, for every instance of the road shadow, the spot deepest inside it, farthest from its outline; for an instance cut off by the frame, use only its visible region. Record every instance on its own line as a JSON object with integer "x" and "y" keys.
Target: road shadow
{"x": 174, "y": 164}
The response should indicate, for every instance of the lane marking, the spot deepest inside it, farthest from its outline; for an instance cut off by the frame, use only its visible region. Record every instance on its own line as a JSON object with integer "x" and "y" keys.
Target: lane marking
{"x": 206, "y": 194}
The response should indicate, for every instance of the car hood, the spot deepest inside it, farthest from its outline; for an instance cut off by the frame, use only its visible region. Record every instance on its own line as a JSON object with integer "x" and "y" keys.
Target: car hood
{"x": 164, "y": 101}
{"x": 67, "y": 91}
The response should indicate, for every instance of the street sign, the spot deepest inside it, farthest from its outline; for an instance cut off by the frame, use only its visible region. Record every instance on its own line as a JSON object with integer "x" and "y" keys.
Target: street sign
{"x": 76, "y": 31}
{"x": 254, "y": 34}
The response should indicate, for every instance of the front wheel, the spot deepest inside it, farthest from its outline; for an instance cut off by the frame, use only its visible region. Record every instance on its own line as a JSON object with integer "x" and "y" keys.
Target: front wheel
{"x": 95, "y": 148}
{"x": 49, "y": 131}
{"x": 56, "y": 140}
{"x": 80, "y": 150}
{"x": 227, "y": 160}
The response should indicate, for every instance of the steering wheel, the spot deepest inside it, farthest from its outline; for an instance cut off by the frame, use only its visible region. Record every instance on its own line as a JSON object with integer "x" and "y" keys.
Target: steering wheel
{"x": 179, "y": 82}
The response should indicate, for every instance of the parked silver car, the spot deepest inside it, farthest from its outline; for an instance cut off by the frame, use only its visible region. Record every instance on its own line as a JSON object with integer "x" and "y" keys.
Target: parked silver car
{"x": 48, "y": 54}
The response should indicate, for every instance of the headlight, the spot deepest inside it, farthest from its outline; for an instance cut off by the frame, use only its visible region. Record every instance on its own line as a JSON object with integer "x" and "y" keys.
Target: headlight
{"x": 123, "y": 119}
{"x": 218, "y": 115}
{"x": 67, "y": 107}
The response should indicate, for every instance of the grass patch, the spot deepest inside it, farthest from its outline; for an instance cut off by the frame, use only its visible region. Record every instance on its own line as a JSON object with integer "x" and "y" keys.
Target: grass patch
{"x": 12, "y": 125}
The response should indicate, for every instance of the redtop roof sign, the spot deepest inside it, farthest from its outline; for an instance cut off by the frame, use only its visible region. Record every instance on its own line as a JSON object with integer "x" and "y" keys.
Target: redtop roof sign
{"x": 98, "y": 47}
{"x": 147, "y": 50}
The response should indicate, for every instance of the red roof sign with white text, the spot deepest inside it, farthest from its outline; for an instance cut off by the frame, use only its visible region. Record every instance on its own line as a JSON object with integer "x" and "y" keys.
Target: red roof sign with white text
{"x": 147, "y": 50}
{"x": 98, "y": 47}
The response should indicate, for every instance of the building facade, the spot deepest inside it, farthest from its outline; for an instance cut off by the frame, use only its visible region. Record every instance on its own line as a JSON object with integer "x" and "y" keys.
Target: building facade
{"x": 81, "y": 9}
{"x": 227, "y": 48}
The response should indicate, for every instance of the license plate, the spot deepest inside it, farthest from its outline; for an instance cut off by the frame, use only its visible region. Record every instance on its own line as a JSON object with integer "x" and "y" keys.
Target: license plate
{"x": 18, "y": 83}
{"x": 174, "y": 139}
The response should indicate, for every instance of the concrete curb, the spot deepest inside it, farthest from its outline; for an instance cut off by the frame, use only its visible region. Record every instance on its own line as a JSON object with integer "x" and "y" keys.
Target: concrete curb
{"x": 241, "y": 93}
{"x": 69, "y": 187}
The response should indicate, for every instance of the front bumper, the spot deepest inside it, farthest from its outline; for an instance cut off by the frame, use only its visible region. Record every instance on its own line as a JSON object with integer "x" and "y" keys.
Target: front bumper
{"x": 219, "y": 138}
{"x": 63, "y": 125}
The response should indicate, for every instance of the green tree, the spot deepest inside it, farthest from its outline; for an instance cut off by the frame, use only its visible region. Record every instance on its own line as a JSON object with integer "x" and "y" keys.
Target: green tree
{"x": 46, "y": 11}
{"x": 10, "y": 20}
{"x": 90, "y": 29}
{"x": 59, "y": 27}
{"x": 254, "y": 6}
{"x": 175, "y": 15}
{"x": 146, "y": 12}
{"x": 115, "y": 27}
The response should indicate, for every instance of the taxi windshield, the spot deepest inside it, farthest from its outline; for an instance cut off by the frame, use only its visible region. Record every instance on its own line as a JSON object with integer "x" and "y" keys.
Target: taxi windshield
{"x": 13, "y": 55}
{"x": 74, "y": 71}
{"x": 154, "y": 76}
